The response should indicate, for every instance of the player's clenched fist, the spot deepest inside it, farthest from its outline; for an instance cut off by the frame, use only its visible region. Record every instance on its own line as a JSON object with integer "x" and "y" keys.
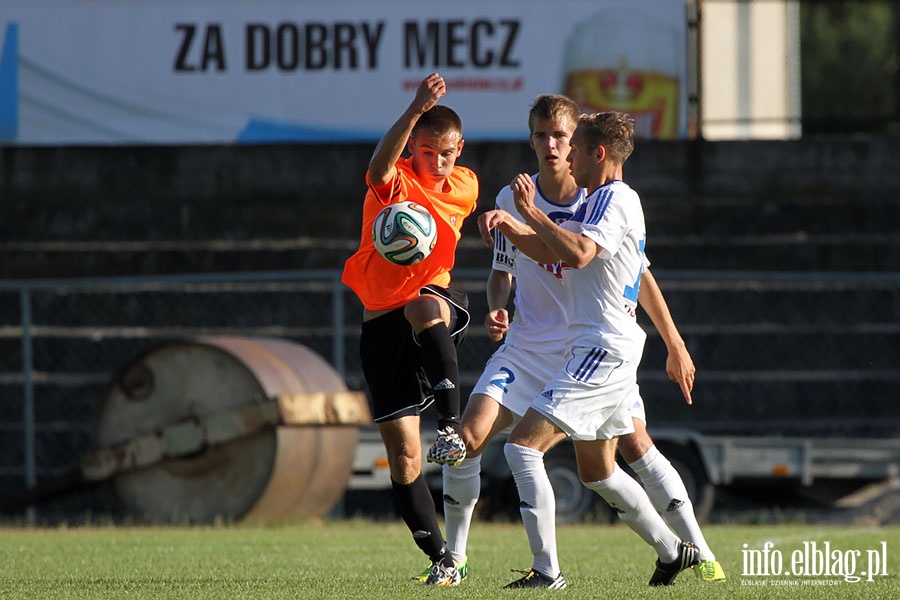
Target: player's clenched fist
{"x": 432, "y": 89}
{"x": 497, "y": 322}
{"x": 523, "y": 191}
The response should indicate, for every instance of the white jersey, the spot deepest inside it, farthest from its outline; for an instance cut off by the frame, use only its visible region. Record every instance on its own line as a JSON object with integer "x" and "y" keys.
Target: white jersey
{"x": 539, "y": 321}
{"x": 604, "y": 293}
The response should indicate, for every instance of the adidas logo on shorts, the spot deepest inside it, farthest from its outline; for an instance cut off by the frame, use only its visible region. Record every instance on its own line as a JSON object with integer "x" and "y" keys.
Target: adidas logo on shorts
{"x": 548, "y": 394}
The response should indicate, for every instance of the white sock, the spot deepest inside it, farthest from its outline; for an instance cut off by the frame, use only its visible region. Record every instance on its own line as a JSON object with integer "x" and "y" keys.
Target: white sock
{"x": 462, "y": 486}
{"x": 537, "y": 505}
{"x": 628, "y": 499}
{"x": 670, "y": 498}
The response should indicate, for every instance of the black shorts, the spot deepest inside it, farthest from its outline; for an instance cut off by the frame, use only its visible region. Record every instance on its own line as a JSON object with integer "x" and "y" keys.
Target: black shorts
{"x": 392, "y": 358}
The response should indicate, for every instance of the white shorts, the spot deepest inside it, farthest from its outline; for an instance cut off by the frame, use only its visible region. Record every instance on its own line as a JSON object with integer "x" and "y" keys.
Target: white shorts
{"x": 636, "y": 409}
{"x": 514, "y": 376}
{"x": 590, "y": 397}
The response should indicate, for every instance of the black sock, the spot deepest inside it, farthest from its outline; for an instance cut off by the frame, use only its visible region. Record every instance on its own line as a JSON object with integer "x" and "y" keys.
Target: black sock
{"x": 416, "y": 508}
{"x": 442, "y": 369}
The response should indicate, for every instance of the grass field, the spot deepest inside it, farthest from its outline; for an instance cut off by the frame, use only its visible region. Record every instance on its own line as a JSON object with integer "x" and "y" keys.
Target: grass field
{"x": 374, "y": 560}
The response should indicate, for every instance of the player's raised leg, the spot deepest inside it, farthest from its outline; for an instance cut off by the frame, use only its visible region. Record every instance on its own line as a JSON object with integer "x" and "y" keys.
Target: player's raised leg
{"x": 430, "y": 316}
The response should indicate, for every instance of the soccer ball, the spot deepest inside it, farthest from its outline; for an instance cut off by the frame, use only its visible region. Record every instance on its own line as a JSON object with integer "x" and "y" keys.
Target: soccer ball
{"x": 404, "y": 233}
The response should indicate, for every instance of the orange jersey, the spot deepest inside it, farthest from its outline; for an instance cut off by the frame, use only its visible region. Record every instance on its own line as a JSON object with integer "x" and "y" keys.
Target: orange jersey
{"x": 382, "y": 285}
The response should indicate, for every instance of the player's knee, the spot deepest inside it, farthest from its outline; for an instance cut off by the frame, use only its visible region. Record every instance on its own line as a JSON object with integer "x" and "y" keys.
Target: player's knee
{"x": 474, "y": 440}
{"x": 405, "y": 468}
{"x": 634, "y": 445}
{"x": 424, "y": 311}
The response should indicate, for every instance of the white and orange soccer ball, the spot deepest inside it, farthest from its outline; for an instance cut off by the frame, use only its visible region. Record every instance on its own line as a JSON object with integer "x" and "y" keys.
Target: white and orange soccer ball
{"x": 404, "y": 233}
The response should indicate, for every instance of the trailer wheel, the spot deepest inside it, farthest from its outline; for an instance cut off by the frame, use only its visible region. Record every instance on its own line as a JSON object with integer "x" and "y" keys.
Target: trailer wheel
{"x": 687, "y": 462}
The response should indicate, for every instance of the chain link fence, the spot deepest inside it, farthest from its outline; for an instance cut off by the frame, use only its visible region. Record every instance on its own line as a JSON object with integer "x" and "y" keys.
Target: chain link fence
{"x": 812, "y": 354}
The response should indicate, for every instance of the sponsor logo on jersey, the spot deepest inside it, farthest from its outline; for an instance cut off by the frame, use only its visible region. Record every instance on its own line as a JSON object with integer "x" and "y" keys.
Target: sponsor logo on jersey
{"x": 504, "y": 259}
{"x": 556, "y": 268}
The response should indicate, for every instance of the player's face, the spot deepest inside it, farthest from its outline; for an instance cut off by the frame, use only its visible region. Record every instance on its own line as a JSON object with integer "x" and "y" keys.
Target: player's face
{"x": 550, "y": 140}
{"x": 434, "y": 156}
{"x": 579, "y": 158}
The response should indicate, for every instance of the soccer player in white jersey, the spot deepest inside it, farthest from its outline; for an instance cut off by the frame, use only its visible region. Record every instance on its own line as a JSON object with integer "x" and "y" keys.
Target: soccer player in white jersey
{"x": 602, "y": 247}
{"x": 518, "y": 370}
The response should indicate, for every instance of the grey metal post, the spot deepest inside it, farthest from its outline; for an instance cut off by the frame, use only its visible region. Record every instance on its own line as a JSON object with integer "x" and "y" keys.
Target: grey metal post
{"x": 28, "y": 389}
{"x": 337, "y": 348}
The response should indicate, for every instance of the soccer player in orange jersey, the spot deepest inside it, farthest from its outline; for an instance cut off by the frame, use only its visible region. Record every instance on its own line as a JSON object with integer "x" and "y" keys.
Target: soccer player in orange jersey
{"x": 412, "y": 320}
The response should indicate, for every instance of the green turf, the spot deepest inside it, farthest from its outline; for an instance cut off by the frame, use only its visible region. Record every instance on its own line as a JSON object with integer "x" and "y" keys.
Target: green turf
{"x": 361, "y": 559}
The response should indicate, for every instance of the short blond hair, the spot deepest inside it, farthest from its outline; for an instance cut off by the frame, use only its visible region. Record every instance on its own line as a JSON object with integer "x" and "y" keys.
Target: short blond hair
{"x": 612, "y": 130}
{"x": 552, "y": 107}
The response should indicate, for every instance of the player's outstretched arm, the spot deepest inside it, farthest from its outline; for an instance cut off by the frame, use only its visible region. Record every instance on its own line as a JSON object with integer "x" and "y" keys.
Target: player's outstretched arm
{"x": 517, "y": 232}
{"x": 574, "y": 249}
{"x": 679, "y": 365}
{"x": 391, "y": 145}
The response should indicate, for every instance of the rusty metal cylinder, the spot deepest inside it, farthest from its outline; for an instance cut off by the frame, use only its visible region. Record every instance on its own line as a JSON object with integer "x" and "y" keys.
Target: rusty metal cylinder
{"x": 227, "y": 428}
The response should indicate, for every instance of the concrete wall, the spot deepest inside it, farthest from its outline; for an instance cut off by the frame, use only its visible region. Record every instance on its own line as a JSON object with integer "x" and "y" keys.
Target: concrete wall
{"x": 711, "y": 194}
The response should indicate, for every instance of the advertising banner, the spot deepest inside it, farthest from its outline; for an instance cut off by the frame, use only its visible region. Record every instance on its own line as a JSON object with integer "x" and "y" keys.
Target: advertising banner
{"x": 193, "y": 71}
